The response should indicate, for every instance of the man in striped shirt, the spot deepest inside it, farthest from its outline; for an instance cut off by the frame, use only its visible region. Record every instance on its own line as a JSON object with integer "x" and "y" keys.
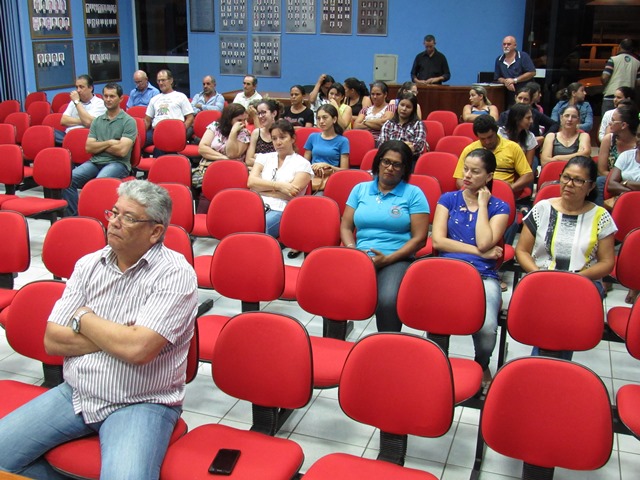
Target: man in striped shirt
{"x": 123, "y": 324}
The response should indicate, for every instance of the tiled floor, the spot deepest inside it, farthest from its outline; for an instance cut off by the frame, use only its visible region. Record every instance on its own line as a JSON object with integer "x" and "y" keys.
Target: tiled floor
{"x": 322, "y": 428}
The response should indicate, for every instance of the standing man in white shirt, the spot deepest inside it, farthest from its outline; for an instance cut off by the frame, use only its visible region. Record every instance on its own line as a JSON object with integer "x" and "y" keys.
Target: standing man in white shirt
{"x": 82, "y": 109}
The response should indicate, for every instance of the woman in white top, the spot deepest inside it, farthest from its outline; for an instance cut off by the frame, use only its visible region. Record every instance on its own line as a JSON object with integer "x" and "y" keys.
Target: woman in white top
{"x": 516, "y": 129}
{"x": 373, "y": 118}
{"x": 281, "y": 175}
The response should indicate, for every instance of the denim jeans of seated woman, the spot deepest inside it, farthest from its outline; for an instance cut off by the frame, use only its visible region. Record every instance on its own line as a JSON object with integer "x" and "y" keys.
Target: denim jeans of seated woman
{"x": 484, "y": 340}
{"x": 568, "y": 354}
{"x": 133, "y": 439}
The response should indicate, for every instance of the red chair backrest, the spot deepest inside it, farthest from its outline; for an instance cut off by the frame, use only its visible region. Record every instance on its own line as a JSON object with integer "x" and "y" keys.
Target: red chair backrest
{"x": 123, "y": 102}
{"x": 7, "y": 107}
{"x": 310, "y": 222}
{"x": 341, "y": 183}
{"x": 21, "y": 121}
{"x": 75, "y": 141}
{"x": 453, "y": 144}
{"x": 302, "y": 134}
{"x": 59, "y": 100}
{"x": 27, "y": 319}
{"x": 35, "y": 139}
{"x": 551, "y": 172}
{"x": 138, "y": 111}
{"x": 15, "y": 251}
{"x": 367, "y": 160}
{"x": 524, "y": 397}
{"x": 223, "y": 174}
{"x": 68, "y": 240}
{"x": 424, "y": 304}
{"x": 38, "y": 111}
{"x": 34, "y": 97}
{"x": 170, "y": 136}
{"x": 626, "y": 214}
{"x": 52, "y": 168}
{"x": 177, "y": 239}
{"x": 235, "y": 210}
{"x": 98, "y": 195}
{"x": 11, "y": 165}
{"x": 556, "y": 310}
{"x": 441, "y": 165}
{"x": 171, "y": 168}
{"x": 632, "y": 338}
{"x": 360, "y": 142}
{"x": 136, "y": 150}
{"x": 53, "y": 120}
{"x": 203, "y": 120}
{"x": 430, "y": 186}
{"x": 7, "y": 134}
{"x": 448, "y": 119}
{"x": 182, "y": 213}
{"x": 627, "y": 261}
{"x": 465, "y": 130}
{"x": 435, "y": 131}
{"x": 504, "y": 192}
{"x": 550, "y": 190}
{"x": 63, "y": 108}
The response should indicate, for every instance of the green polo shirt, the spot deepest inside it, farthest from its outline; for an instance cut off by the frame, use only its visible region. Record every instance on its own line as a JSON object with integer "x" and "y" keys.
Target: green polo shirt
{"x": 103, "y": 129}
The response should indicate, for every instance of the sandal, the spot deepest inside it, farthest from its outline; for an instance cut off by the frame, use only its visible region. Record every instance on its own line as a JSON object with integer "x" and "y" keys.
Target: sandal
{"x": 503, "y": 286}
{"x": 631, "y": 297}
{"x": 294, "y": 254}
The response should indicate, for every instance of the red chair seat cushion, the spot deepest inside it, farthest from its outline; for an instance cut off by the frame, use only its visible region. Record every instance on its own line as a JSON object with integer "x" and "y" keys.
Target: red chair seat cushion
{"x": 467, "y": 378}
{"x": 263, "y": 457}
{"x": 291, "y": 273}
{"x": 146, "y": 162}
{"x": 618, "y": 319}
{"x": 209, "y": 327}
{"x": 340, "y": 466}
{"x": 190, "y": 151}
{"x": 81, "y": 457}
{"x": 6, "y": 297}
{"x": 200, "y": 225}
{"x": 427, "y": 250}
{"x": 202, "y": 266}
{"x": 15, "y": 394}
{"x": 329, "y": 356}
{"x": 509, "y": 253}
{"x": 628, "y": 401}
{"x": 4, "y": 197}
{"x": 31, "y": 206}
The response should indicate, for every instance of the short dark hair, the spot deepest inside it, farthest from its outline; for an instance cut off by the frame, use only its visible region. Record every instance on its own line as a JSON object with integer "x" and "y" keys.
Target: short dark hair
{"x": 229, "y": 112}
{"x": 429, "y": 38}
{"x": 627, "y": 44}
{"x": 253, "y": 78}
{"x": 87, "y": 78}
{"x": 592, "y": 169}
{"x": 394, "y": 146}
{"x": 484, "y": 124}
{"x": 113, "y": 86}
{"x": 629, "y": 114}
{"x": 299, "y": 87}
{"x": 628, "y": 92}
{"x": 284, "y": 126}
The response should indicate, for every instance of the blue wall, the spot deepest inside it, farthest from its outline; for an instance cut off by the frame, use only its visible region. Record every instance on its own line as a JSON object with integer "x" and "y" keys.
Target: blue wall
{"x": 469, "y": 33}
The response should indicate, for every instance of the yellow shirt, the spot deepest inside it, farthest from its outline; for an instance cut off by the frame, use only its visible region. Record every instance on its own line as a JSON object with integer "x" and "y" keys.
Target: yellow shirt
{"x": 510, "y": 160}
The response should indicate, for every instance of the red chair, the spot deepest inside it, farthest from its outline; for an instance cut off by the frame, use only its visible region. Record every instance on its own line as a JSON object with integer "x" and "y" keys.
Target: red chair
{"x": 231, "y": 211}
{"x": 448, "y": 119}
{"x": 53, "y": 120}
{"x": 38, "y": 111}
{"x": 182, "y": 200}
{"x": 377, "y": 388}
{"x": 96, "y": 196}
{"x": 338, "y": 284}
{"x": 177, "y": 239}
{"x": 59, "y": 100}
{"x": 263, "y": 358}
{"x": 626, "y": 214}
{"x": 81, "y": 458}
{"x": 550, "y": 190}
{"x": 367, "y": 160}
{"x": 627, "y": 272}
{"x": 52, "y": 171}
{"x": 63, "y": 108}
{"x": 302, "y": 134}
{"x": 430, "y": 186}
{"x": 551, "y": 172}
{"x": 341, "y": 183}
{"x": 440, "y": 165}
{"x": 435, "y": 131}
{"x": 138, "y": 111}
{"x": 35, "y": 139}
{"x": 628, "y": 396}
{"x": 424, "y": 304}
{"x": 11, "y": 170}
{"x": 453, "y": 144}
{"x": 68, "y": 240}
{"x": 34, "y": 97}
{"x": 123, "y": 102}
{"x": 307, "y": 223}
{"x": 169, "y": 136}
{"x": 171, "y": 168}
{"x": 548, "y": 413}
{"x": 200, "y": 124}
{"x": 7, "y": 134}
{"x": 503, "y": 191}
{"x": 7, "y": 107}
{"x": 136, "y": 150}
{"x": 220, "y": 175}
{"x": 21, "y": 121}
{"x": 15, "y": 254}
{"x": 76, "y": 142}
{"x": 465, "y": 130}
{"x": 26, "y": 323}
{"x": 360, "y": 142}
{"x": 258, "y": 276}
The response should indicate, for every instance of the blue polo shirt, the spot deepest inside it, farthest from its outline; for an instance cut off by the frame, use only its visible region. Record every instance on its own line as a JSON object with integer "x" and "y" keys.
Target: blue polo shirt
{"x": 522, "y": 64}
{"x": 384, "y": 221}
{"x": 138, "y": 98}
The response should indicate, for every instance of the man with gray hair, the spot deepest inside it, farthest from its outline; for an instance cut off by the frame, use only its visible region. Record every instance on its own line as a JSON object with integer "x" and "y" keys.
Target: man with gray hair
{"x": 123, "y": 324}
{"x": 208, "y": 98}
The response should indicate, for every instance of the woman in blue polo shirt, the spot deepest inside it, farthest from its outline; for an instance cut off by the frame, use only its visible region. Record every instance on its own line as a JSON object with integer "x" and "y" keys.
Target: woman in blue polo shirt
{"x": 392, "y": 219}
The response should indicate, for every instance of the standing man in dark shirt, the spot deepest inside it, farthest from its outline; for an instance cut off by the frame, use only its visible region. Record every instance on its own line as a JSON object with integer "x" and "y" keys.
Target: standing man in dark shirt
{"x": 430, "y": 67}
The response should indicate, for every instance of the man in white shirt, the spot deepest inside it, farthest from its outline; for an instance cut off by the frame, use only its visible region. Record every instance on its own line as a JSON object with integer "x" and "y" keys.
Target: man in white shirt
{"x": 248, "y": 95}
{"x": 170, "y": 104}
{"x": 82, "y": 109}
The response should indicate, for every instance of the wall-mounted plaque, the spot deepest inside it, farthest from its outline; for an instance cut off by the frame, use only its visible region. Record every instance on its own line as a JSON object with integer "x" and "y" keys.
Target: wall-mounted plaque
{"x": 233, "y": 16}
{"x": 266, "y": 16}
{"x": 54, "y": 65}
{"x": 266, "y": 55}
{"x": 101, "y": 18}
{"x": 300, "y": 16}
{"x": 49, "y": 18}
{"x": 104, "y": 60}
{"x": 202, "y": 16}
{"x": 336, "y": 17}
{"x": 233, "y": 55}
{"x": 372, "y": 17}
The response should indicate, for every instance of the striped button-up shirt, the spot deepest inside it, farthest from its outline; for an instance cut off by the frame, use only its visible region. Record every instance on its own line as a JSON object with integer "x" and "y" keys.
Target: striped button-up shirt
{"x": 158, "y": 292}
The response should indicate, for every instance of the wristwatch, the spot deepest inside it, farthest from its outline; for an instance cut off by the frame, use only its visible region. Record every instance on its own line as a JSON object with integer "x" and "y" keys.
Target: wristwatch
{"x": 75, "y": 320}
{"x": 76, "y": 102}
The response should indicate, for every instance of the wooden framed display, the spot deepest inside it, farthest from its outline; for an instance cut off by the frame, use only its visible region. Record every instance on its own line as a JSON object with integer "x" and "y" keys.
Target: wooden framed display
{"x": 54, "y": 65}
{"x": 202, "y": 16}
{"x": 49, "y": 18}
{"x": 372, "y": 17}
{"x": 101, "y": 18}
{"x": 336, "y": 17}
{"x": 300, "y": 16}
{"x": 103, "y": 58}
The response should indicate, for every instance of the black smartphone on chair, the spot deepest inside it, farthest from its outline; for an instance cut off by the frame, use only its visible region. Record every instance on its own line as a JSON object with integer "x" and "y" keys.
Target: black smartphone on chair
{"x": 224, "y": 461}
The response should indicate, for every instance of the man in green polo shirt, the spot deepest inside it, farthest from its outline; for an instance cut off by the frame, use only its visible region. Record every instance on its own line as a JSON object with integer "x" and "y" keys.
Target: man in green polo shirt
{"x": 110, "y": 141}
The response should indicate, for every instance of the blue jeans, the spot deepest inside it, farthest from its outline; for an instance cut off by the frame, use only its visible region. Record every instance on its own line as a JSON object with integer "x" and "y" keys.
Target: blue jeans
{"x": 133, "y": 439}
{"x": 58, "y": 135}
{"x": 484, "y": 340}
{"x": 389, "y": 279}
{"x": 600, "y": 181}
{"x": 272, "y": 218}
{"x": 88, "y": 171}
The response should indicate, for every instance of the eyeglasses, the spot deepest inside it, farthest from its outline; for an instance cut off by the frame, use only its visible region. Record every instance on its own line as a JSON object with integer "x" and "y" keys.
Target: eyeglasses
{"x": 390, "y": 163}
{"x": 262, "y": 113}
{"x": 577, "y": 181}
{"x": 125, "y": 218}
